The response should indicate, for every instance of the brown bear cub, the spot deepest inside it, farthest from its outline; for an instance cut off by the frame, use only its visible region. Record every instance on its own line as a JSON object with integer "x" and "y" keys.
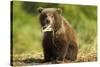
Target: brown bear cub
{"x": 59, "y": 38}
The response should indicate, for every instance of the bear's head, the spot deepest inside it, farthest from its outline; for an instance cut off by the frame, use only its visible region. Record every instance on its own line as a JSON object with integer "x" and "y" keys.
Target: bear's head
{"x": 50, "y": 19}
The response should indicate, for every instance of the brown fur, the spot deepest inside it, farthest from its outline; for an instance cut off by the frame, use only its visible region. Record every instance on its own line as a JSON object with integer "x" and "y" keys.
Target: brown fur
{"x": 61, "y": 43}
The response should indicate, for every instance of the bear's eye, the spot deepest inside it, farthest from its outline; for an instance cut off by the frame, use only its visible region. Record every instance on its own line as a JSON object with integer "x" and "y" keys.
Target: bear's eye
{"x": 43, "y": 16}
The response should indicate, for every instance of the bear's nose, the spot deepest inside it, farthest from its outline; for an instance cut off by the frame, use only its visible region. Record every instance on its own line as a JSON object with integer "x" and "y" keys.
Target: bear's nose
{"x": 47, "y": 21}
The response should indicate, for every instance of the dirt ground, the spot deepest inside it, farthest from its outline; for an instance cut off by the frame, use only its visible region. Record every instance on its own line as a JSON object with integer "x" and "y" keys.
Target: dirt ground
{"x": 37, "y": 59}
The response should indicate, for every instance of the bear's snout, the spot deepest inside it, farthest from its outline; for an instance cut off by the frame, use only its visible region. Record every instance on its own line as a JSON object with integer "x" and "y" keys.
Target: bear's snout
{"x": 48, "y": 21}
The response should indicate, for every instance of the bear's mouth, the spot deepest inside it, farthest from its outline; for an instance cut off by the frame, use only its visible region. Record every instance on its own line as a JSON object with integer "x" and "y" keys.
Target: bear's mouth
{"x": 47, "y": 28}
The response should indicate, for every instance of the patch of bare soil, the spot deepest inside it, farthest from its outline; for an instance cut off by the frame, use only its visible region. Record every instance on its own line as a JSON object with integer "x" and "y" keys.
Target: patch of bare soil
{"x": 25, "y": 60}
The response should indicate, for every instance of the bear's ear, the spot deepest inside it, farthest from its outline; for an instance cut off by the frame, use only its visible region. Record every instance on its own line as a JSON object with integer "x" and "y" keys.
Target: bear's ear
{"x": 59, "y": 10}
{"x": 40, "y": 9}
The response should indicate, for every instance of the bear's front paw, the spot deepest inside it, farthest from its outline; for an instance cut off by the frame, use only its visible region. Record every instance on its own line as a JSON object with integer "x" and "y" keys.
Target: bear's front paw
{"x": 57, "y": 62}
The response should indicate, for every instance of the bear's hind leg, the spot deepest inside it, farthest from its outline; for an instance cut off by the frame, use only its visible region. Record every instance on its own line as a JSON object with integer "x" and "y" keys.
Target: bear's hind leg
{"x": 61, "y": 55}
{"x": 72, "y": 52}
